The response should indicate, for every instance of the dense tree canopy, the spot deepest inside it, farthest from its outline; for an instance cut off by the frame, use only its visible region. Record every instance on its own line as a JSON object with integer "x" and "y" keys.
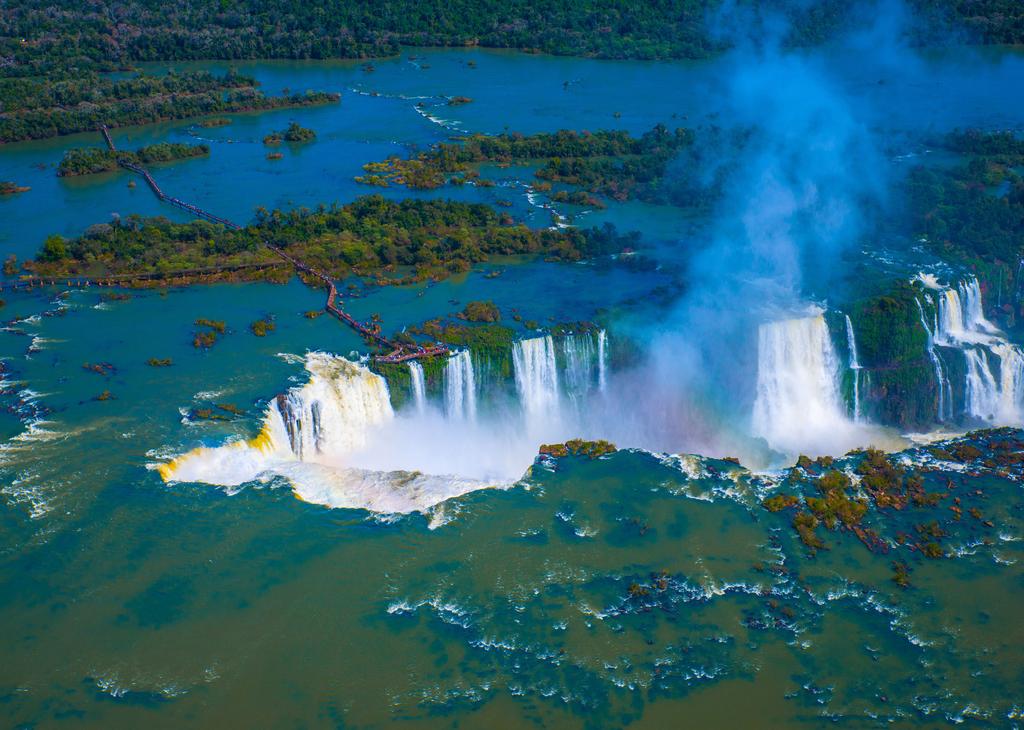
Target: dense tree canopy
{"x": 44, "y": 35}
{"x": 369, "y": 236}
{"x": 35, "y": 108}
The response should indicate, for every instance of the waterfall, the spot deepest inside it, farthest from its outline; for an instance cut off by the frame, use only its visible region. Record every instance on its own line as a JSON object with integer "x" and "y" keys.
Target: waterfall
{"x": 982, "y": 394}
{"x": 798, "y": 403}
{"x": 995, "y": 395}
{"x": 974, "y": 315}
{"x": 994, "y": 381}
{"x": 945, "y": 399}
{"x": 536, "y": 377}
{"x": 322, "y": 422}
{"x": 460, "y": 387}
{"x": 602, "y": 360}
{"x": 419, "y": 386}
{"x": 851, "y": 343}
{"x": 337, "y": 442}
{"x": 331, "y": 413}
{"x": 579, "y": 365}
{"x": 950, "y": 325}
{"x": 1011, "y": 383}
{"x": 961, "y": 317}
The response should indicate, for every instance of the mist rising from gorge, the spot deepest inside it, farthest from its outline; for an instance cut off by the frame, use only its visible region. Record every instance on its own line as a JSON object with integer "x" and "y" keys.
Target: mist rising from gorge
{"x": 802, "y": 186}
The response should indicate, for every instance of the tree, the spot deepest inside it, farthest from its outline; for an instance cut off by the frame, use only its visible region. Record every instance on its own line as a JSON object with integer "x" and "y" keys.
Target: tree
{"x": 54, "y": 249}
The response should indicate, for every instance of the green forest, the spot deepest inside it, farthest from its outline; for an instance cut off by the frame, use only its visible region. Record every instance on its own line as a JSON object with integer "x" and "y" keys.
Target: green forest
{"x": 369, "y": 237}
{"x": 54, "y": 53}
{"x": 40, "y": 35}
{"x": 90, "y": 160}
{"x": 973, "y": 211}
{"x": 609, "y": 163}
{"x": 36, "y": 108}
{"x": 43, "y": 35}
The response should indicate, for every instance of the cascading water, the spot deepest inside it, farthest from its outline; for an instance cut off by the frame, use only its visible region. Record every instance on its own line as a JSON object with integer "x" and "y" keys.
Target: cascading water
{"x": 981, "y": 395}
{"x": 536, "y": 374}
{"x": 602, "y": 360}
{"x": 961, "y": 316}
{"x": 798, "y": 405}
{"x": 320, "y": 422}
{"x": 336, "y": 439}
{"x": 854, "y": 365}
{"x": 418, "y": 386}
{"x": 460, "y": 387}
{"x": 945, "y": 391}
{"x": 994, "y": 384}
{"x": 579, "y": 365}
{"x": 1011, "y": 383}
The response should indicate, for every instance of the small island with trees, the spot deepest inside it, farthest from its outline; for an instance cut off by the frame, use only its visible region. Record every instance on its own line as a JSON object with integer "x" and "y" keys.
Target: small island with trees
{"x": 610, "y": 163}
{"x": 294, "y": 133}
{"x": 91, "y": 160}
{"x": 37, "y": 108}
{"x": 386, "y": 241}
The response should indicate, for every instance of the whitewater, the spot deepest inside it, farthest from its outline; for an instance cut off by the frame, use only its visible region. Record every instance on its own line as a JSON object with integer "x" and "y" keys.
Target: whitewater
{"x": 339, "y": 442}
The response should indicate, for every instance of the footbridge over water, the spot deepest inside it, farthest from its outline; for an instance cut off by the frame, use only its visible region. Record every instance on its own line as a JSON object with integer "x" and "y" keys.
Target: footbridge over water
{"x": 396, "y": 352}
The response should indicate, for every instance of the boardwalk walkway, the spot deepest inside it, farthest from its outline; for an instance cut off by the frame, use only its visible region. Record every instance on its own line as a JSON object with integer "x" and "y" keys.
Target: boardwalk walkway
{"x": 397, "y": 352}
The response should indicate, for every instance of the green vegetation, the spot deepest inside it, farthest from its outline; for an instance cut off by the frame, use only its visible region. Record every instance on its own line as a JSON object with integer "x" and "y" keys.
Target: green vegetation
{"x": 610, "y": 163}
{"x": 900, "y": 387}
{"x": 214, "y": 122}
{"x": 977, "y": 142}
{"x": 214, "y": 324}
{"x": 294, "y": 133}
{"x": 100, "y": 368}
{"x": 779, "y": 502}
{"x": 490, "y": 343}
{"x": 895, "y": 494}
{"x": 45, "y": 36}
{"x": 209, "y": 330}
{"x": 961, "y": 214}
{"x": 882, "y": 479}
{"x": 973, "y": 213}
{"x": 638, "y": 172}
{"x": 206, "y": 414}
{"x": 9, "y": 188}
{"x": 578, "y": 197}
{"x": 834, "y": 507}
{"x": 371, "y": 236}
{"x": 159, "y": 363}
{"x": 399, "y": 378}
{"x": 89, "y": 160}
{"x": 69, "y": 102}
{"x": 835, "y": 504}
{"x": 261, "y": 327}
{"x": 215, "y": 414}
{"x": 481, "y": 312}
{"x": 805, "y": 524}
{"x": 901, "y": 574}
{"x": 579, "y": 447}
